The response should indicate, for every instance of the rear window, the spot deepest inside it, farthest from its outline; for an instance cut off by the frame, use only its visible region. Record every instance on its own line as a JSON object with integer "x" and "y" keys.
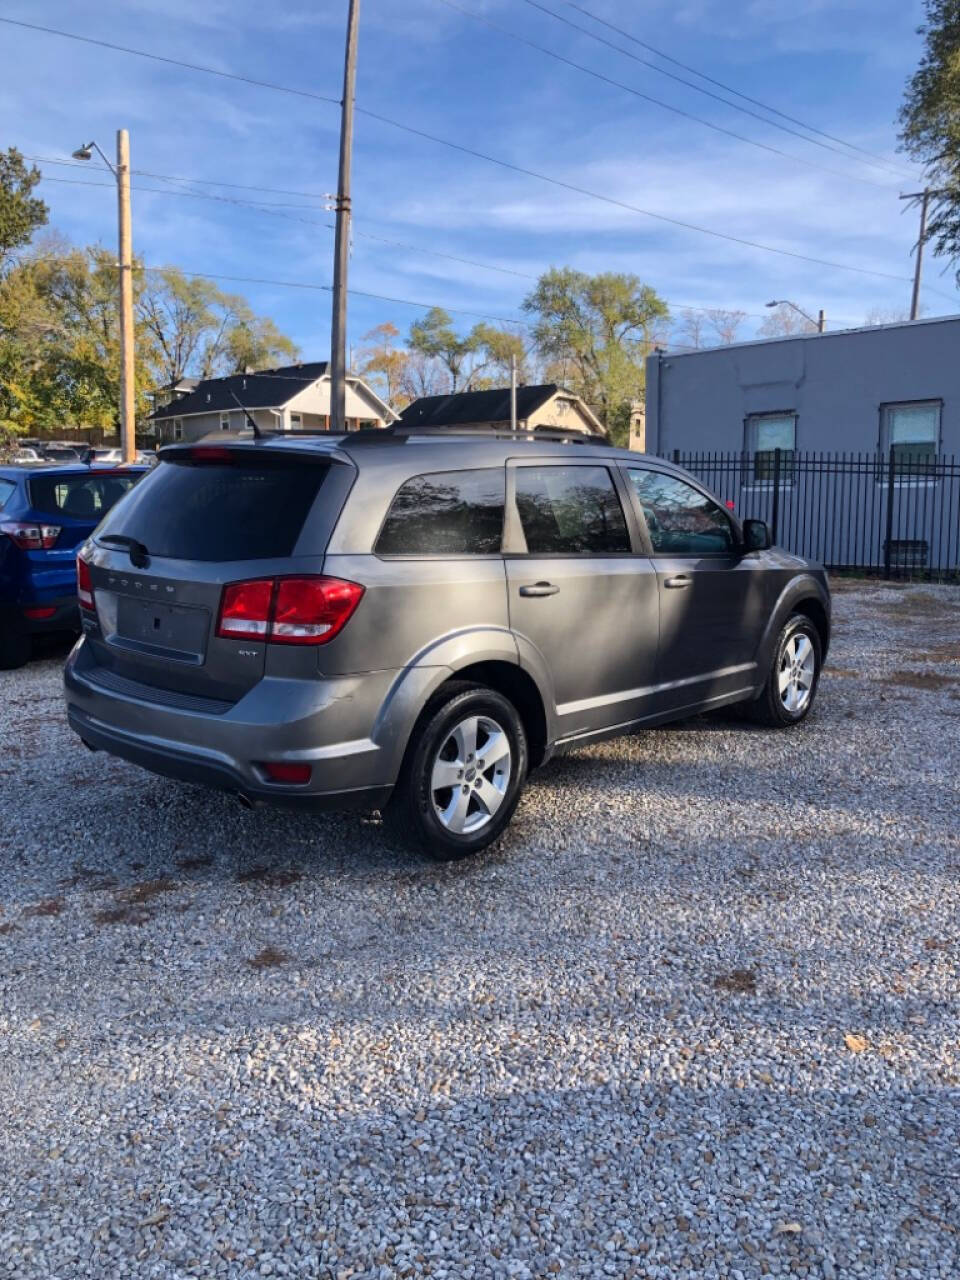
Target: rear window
{"x": 85, "y": 497}
{"x": 450, "y": 513}
{"x": 6, "y": 488}
{"x": 251, "y": 509}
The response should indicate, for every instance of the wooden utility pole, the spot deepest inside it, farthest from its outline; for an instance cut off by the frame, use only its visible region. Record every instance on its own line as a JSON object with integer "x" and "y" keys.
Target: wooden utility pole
{"x": 513, "y": 393}
{"x": 924, "y": 198}
{"x": 128, "y": 438}
{"x": 341, "y": 264}
{"x": 821, "y": 321}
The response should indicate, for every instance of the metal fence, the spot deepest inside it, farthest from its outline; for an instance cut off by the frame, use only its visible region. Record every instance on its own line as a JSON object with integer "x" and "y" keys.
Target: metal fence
{"x": 896, "y": 515}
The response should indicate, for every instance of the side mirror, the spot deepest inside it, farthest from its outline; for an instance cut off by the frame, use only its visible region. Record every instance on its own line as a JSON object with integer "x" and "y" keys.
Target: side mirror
{"x": 756, "y": 535}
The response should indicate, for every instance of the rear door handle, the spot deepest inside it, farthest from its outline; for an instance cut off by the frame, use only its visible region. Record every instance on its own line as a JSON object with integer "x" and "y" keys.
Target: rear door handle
{"x": 680, "y": 581}
{"x": 540, "y": 589}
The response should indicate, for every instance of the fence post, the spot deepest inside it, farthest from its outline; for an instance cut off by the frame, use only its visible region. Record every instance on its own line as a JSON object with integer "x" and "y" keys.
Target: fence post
{"x": 676, "y": 457}
{"x": 775, "y": 513}
{"x": 888, "y": 546}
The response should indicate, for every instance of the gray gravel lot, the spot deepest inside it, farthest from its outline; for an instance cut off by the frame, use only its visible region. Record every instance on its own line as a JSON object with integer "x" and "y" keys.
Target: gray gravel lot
{"x": 698, "y": 1016}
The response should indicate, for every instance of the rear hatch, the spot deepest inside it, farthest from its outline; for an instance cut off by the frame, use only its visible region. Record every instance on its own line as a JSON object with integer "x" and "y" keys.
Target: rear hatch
{"x": 67, "y": 506}
{"x": 203, "y": 518}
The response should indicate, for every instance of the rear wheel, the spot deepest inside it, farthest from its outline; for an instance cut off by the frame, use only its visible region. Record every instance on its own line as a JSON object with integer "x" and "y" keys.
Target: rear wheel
{"x": 462, "y": 775}
{"x": 793, "y": 677}
{"x": 14, "y": 645}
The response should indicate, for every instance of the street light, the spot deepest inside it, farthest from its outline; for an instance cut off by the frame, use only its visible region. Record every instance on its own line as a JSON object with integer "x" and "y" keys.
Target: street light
{"x": 121, "y": 172}
{"x": 821, "y": 322}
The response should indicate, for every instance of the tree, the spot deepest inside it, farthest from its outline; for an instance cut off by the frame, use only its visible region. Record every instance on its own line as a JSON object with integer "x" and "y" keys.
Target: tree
{"x": 691, "y": 329}
{"x": 930, "y": 122}
{"x": 599, "y": 329}
{"x": 783, "y": 321}
{"x": 385, "y": 364}
{"x": 725, "y": 324}
{"x": 197, "y": 328}
{"x": 435, "y": 337}
{"x": 21, "y": 212}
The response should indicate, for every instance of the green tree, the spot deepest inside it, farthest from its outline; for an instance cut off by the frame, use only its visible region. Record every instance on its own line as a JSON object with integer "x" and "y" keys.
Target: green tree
{"x": 930, "y": 122}
{"x": 594, "y": 333}
{"x": 435, "y": 337}
{"x": 21, "y": 212}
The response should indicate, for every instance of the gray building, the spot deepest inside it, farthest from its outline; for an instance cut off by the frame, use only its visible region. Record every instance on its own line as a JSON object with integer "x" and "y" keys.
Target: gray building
{"x": 848, "y": 443}
{"x": 859, "y": 390}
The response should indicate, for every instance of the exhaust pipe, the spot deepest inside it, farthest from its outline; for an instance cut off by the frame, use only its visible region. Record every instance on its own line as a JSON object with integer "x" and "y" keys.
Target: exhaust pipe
{"x": 245, "y": 801}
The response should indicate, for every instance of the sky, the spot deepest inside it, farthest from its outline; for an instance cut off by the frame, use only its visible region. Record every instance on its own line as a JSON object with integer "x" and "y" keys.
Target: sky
{"x": 435, "y": 225}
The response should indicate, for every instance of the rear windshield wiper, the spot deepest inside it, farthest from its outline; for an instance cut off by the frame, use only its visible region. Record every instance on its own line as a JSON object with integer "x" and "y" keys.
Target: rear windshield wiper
{"x": 139, "y": 555}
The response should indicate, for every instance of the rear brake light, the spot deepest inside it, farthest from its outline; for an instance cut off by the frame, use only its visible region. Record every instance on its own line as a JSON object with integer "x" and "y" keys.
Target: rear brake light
{"x": 32, "y": 537}
{"x": 287, "y": 610}
{"x": 245, "y": 609}
{"x": 312, "y": 610}
{"x": 37, "y": 612}
{"x": 294, "y": 774}
{"x": 84, "y": 584}
{"x": 211, "y": 453}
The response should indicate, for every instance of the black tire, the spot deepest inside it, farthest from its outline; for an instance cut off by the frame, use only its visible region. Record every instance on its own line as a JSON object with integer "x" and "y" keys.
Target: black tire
{"x": 15, "y": 647}
{"x": 412, "y": 814}
{"x": 770, "y": 709}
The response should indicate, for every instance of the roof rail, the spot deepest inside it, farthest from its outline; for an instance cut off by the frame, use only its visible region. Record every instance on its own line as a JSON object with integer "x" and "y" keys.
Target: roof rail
{"x": 400, "y": 431}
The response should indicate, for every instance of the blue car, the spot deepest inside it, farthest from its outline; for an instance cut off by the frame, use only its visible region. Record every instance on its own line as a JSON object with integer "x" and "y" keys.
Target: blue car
{"x": 46, "y": 513}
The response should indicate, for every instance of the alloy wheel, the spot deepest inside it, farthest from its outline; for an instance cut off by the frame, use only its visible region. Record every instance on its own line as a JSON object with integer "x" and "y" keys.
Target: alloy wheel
{"x": 798, "y": 669}
{"x": 470, "y": 775}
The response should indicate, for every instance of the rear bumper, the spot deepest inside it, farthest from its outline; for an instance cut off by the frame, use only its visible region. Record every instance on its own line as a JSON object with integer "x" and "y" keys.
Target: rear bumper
{"x": 172, "y": 760}
{"x": 352, "y": 731}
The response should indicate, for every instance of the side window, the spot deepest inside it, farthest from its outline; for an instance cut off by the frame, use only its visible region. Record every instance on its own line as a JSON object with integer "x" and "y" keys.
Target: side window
{"x": 450, "y": 513}
{"x": 680, "y": 519}
{"x": 6, "y": 488}
{"x": 571, "y": 510}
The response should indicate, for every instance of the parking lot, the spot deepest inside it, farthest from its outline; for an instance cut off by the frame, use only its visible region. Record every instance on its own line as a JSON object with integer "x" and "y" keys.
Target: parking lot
{"x": 697, "y": 1016}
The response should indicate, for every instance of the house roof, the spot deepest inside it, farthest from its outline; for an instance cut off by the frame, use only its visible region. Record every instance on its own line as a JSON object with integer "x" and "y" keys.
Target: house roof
{"x": 467, "y": 407}
{"x": 266, "y": 389}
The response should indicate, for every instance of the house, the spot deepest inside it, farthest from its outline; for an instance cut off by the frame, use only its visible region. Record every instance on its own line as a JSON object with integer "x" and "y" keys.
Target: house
{"x": 860, "y": 390}
{"x": 293, "y": 398}
{"x": 537, "y": 407}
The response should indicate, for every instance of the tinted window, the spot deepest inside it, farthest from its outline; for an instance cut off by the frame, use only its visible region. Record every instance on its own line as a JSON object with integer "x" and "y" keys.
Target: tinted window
{"x": 248, "y": 510}
{"x": 6, "y": 488}
{"x": 570, "y": 510}
{"x": 679, "y": 518}
{"x": 451, "y": 513}
{"x": 85, "y": 497}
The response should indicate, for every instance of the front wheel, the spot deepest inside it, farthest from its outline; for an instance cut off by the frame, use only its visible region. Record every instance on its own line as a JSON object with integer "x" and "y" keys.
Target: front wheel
{"x": 793, "y": 678}
{"x": 462, "y": 774}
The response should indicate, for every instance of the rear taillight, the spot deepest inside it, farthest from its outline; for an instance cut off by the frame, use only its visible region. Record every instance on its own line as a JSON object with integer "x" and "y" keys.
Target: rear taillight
{"x": 290, "y": 774}
{"x": 84, "y": 584}
{"x": 32, "y": 537}
{"x": 287, "y": 610}
{"x": 245, "y": 609}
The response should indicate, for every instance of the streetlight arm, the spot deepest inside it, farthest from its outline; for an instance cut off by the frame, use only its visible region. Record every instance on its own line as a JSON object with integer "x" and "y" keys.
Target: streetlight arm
{"x": 785, "y": 302}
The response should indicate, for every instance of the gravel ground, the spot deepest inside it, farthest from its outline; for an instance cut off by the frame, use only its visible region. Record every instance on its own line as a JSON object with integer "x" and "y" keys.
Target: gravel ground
{"x": 698, "y": 1017}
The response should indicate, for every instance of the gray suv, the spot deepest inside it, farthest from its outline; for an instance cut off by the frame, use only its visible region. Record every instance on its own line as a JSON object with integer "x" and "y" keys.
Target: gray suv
{"x": 411, "y": 622}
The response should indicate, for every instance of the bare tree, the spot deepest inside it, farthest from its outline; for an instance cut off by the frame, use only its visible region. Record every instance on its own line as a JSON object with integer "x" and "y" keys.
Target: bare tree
{"x": 725, "y": 324}
{"x": 691, "y": 328}
{"x": 783, "y": 321}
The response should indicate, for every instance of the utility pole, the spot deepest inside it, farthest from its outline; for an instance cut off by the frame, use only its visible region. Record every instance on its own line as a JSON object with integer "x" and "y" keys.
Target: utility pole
{"x": 821, "y": 321}
{"x": 513, "y": 393}
{"x": 924, "y": 198}
{"x": 338, "y": 332}
{"x": 128, "y": 425}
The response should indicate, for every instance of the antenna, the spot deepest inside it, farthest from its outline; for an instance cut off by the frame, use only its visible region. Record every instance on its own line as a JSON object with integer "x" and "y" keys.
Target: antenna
{"x": 257, "y": 433}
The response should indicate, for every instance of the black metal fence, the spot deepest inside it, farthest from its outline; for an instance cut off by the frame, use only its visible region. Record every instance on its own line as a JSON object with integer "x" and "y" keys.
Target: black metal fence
{"x": 896, "y": 515}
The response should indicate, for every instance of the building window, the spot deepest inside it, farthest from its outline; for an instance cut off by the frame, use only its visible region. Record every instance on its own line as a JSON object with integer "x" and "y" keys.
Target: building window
{"x": 225, "y": 422}
{"x": 296, "y": 421}
{"x": 765, "y": 434}
{"x": 912, "y": 431}
{"x": 178, "y": 428}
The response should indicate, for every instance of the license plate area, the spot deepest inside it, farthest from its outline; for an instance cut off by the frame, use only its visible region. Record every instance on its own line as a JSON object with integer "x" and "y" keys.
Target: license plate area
{"x": 176, "y": 632}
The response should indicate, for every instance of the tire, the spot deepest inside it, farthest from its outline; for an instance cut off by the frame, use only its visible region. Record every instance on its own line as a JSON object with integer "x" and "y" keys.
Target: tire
{"x": 773, "y": 707}
{"x": 456, "y": 821}
{"x": 15, "y": 647}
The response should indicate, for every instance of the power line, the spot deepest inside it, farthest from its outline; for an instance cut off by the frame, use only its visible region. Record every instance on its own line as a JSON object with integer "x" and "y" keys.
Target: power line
{"x": 203, "y": 182}
{"x": 646, "y": 97}
{"x": 478, "y": 155}
{"x": 710, "y": 80}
